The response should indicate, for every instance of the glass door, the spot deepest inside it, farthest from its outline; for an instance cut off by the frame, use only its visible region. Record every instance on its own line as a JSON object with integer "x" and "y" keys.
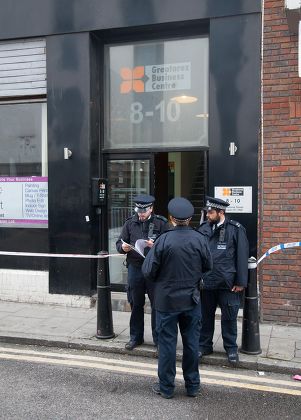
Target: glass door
{"x": 126, "y": 179}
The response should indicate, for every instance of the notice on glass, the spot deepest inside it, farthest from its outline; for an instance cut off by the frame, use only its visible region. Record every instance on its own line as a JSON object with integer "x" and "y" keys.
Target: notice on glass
{"x": 239, "y": 198}
{"x": 24, "y": 202}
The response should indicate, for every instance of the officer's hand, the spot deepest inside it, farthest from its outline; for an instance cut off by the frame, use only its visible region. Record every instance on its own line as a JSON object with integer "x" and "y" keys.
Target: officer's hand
{"x": 149, "y": 243}
{"x": 237, "y": 289}
{"x": 126, "y": 247}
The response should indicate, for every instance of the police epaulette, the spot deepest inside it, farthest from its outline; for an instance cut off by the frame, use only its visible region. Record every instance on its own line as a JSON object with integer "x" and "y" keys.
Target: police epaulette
{"x": 158, "y": 216}
{"x": 233, "y": 222}
{"x": 130, "y": 217}
{"x": 196, "y": 230}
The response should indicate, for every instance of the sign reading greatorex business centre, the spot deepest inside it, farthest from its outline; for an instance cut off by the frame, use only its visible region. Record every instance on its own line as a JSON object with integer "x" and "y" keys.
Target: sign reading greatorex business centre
{"x": 176, "y": 76}
{"x": 239, "y": 198}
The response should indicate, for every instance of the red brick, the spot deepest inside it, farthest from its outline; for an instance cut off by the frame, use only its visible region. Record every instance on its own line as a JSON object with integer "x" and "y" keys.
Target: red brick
{"x": 280, "y": 274}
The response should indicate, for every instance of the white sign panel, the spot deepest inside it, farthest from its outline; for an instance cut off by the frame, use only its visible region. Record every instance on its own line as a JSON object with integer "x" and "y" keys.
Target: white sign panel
{"x": 240, "y": 198}
{"x": 24, "y": 202}
{"x": 292, "y": 4}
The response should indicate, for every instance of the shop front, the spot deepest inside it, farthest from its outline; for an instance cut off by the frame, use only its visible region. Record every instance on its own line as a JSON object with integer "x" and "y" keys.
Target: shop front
{"x": 152, "y": 99}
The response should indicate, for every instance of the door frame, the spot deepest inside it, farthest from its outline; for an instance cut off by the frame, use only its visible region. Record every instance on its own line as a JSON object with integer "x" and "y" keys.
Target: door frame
{"x": 138, "y": 155}
{"x": 126, "y": 156}
{"x": 106, "y": 157}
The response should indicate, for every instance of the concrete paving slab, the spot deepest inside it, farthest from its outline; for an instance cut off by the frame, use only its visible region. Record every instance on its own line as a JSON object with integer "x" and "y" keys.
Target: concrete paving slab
{"x": 283, "y": 331}
{"x": 123, "y": 318}
{"x": 121, "y": 331}
{"x": 281, "y": 349}
{"x": 12, "y": 307}
{"x": 43, "y": 311}
{"x": 4, "y": 314}
{"x": 298, "y": 345}
{"x": 298, "y": 353}
{"x": 122, "y": 336}
{"x": 216, "y": 337}
{"x": 264, "y": 344}
{"x": 86, "y": 331}
{"x": 18, "y": 324}
{"x": 57, "y": 326}
{"x": 218, "y": 345}
{"x": 265, "y": 329}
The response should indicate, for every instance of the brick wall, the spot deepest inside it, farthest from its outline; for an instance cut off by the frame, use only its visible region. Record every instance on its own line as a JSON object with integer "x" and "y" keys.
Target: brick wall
{"x": 280, "y": 175}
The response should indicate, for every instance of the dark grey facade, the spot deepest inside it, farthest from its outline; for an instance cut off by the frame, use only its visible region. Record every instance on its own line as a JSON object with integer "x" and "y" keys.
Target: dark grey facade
{"x": 76, "y": 32}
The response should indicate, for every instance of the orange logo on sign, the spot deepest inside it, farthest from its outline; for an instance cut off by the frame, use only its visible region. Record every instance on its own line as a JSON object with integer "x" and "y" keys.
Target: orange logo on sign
{"x": 131, "y": 79}
{"x": 226, "y": 191}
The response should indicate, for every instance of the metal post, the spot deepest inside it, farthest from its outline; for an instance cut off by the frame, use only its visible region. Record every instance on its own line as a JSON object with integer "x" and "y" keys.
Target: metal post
{"x": 104, "y": 305}
{"x": 250, "y": 342}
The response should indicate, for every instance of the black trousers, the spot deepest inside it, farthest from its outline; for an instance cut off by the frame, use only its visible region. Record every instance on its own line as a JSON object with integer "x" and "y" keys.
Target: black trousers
{"x": 167, "y": 327}
{"x": 138, "y": 286}
{"x": 229, "y": 303}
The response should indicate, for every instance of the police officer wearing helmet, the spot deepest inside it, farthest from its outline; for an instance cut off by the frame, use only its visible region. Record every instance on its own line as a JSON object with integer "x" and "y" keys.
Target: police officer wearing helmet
{"x": 144, "y": 224}
{"x": 222, "y": 286}
{"x": 176, "y": 264}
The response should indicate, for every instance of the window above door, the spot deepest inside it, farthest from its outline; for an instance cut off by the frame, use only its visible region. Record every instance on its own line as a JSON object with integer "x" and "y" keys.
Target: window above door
{"x": 157, "y": 94}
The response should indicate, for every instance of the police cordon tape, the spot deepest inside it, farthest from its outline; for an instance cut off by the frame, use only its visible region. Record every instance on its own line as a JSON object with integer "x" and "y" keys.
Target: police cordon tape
{"x": 278, "y": 248}
{"x": 104, "y": 254}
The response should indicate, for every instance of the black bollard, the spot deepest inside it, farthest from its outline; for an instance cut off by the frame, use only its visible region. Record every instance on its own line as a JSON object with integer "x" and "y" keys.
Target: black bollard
{"x": 250, "y": 342}
{"x": 104, "y": 305}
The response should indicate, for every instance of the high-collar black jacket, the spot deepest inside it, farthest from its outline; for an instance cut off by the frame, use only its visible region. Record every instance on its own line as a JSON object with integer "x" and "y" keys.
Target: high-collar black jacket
{"x": 230, "y": 251}
{"x": 176, "y": 263}
{"x": 133, "y": 230}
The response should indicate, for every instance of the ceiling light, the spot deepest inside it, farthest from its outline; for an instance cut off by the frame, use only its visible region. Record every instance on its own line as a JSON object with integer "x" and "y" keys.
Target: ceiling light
{"x": 184, "y": 99}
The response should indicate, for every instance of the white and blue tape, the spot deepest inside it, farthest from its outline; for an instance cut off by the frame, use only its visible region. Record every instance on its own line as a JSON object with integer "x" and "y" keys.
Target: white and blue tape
{"x": 44, "y": 254}
{"x": 104, "y": 255}
{"x": 278, "y": 248}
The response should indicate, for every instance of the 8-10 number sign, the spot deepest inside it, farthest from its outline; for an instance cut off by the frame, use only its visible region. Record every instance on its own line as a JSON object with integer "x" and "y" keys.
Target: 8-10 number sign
{"x": 171, "y": 112}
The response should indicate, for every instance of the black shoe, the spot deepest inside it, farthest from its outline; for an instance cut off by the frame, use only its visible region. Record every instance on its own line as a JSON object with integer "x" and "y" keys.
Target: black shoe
{"x": 193, "y": 393}
{"x": 132, "y": 344}
{"x": 233, "y": 357}
{"x": 205, "y": 352}
{"x": 156, "y": 390}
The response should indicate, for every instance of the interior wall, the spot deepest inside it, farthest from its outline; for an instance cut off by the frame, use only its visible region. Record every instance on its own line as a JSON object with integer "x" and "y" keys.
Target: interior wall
{"x": 176, "y": 158}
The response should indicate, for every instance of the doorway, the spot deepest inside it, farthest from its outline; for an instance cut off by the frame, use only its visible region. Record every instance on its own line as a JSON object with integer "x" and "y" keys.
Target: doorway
{"x": 165, "y": 175}
{"x": 180, "y": 174}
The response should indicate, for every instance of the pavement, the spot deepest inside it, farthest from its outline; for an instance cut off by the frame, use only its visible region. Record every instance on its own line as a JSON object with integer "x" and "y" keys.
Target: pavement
{"x": 69, "y": 327}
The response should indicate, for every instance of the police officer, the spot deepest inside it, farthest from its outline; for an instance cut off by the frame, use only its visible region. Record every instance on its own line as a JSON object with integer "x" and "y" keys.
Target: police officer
{"x": 230, "y": 250}
{"x": 144, "y": 224}
{"x": 176, "y": 263}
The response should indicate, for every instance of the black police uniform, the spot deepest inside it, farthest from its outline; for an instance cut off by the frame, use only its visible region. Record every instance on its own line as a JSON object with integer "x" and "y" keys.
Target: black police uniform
{"x": 230, "y": 250}
{"x": 132, "y": 230}
{"x": 176, "y": 263}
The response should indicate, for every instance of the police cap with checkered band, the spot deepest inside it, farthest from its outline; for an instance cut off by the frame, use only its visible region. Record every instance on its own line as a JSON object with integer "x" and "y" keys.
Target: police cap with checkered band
{"x": 213, "y": 203}
{"x": 143, "y": 203}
